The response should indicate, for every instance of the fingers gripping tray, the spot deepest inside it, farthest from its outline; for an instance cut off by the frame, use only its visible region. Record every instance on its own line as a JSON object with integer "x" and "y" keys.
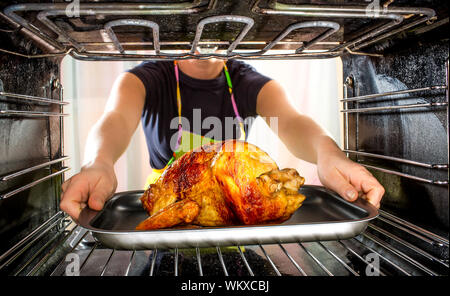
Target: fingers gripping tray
{"x": 323, "y": 216}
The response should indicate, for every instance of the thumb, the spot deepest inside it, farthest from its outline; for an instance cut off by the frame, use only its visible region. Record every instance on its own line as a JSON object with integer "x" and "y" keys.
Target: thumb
{"x": 337, "y": 182}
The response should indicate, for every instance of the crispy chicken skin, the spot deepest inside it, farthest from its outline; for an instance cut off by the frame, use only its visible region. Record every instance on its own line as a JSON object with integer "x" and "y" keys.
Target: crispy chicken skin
{"x": 225, "y": 183}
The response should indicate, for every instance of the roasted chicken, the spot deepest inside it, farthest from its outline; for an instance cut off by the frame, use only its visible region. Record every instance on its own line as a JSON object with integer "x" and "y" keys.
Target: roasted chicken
{"x": 225, "y": 183}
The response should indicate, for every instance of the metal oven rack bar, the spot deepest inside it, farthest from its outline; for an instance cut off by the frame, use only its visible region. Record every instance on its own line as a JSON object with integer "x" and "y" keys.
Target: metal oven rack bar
{"x": 32, "y": 98}
{"x": 326, "y": 257}
{"x": 48, "y": 234}
{"x": 22, "y": 113}
{"x": 435, "y": 182}
{"x": 409, "y": 245}
{"x": 31, "y": 113}
{"x": 133, "y": 22}
{"x": 342, "y": 257}
{"x": 394, "y": 14}
{"x": 399, "y": 92}
{"x": 419, "y": 232}
{"x": 56, "y": 9}
{"x": 399, "y": 19}
{"x": 410, "y": 106}
{"x": 396, "y": 96}
{"x": 29, "y": 185}
{"x": 30, "y": 169}
{"x": 332, "y": 28}
{"x": 223, "y": 18}
{"x": 401, "y": 160}
{"x": 41, "y": 230}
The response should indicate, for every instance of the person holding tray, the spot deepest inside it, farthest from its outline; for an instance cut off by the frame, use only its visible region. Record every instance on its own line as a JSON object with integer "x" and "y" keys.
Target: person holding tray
{"x": 167, "y": 95}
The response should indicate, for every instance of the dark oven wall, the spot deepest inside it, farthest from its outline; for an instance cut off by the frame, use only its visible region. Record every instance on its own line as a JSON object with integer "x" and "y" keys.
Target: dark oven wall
{"x": 416, "y": 60}
{"x": 27, "y": 138}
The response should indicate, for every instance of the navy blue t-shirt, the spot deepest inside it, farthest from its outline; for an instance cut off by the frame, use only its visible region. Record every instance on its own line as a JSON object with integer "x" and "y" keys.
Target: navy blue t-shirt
{"x": 205, "y": 97}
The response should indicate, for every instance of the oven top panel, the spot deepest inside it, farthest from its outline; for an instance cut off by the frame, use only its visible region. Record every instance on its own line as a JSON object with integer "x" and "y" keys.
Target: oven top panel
{"x": 106, "y": 30}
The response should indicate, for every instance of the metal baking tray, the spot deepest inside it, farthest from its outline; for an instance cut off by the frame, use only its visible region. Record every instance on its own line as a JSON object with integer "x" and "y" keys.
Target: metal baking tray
{"x": 324, "y": 215}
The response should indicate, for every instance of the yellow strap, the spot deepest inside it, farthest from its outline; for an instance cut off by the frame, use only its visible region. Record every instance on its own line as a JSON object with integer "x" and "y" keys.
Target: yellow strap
{"x": 156, "y": 173}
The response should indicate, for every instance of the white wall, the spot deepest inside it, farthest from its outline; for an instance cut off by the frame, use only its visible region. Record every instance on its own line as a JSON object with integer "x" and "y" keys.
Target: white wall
{"x": 313, "y": 89}
{"x": 311, "y": 84}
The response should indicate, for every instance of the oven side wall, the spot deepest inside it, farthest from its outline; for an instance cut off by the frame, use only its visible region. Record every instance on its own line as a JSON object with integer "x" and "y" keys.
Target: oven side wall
{"x": 26, "y": 141}
{"x": 419, "y": 134}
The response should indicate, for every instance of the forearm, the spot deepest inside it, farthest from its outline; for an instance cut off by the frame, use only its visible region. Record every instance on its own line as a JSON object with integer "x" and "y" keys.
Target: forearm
{"x": 108, "y": 139}
{"x": 302, "y": 135}
{"x": 306, "y": 139}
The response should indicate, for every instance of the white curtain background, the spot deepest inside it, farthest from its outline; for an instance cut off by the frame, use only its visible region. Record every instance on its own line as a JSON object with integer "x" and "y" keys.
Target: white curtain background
{"x": 312, "y": 86}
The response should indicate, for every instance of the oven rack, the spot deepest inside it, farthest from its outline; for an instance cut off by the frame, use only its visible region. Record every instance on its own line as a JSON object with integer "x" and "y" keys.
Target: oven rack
{"x": 64, "y": 241}
{"x": 393, "y": 21}
{"x": 29, "y": 99}
{"x": 376, "y": 110}
{"x": 33, "y": 183}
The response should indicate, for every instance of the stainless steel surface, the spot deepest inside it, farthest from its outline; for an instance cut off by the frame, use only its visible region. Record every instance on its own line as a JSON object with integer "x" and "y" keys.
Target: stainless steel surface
{"x": 392, "y": 93}
{"x": 29, "y": 185}
{"x": 447, "y": 99}
{"x": 106, "y": 56}
{"x": 399, "y": 254}
{"x": 303, "y": 10}
{"x": 52, "y": 234}
{"x": 401, "y": 160}
{"x": 339, "y": 257}
{"x": 402, "y": 247}
{"x": 32, "y": 98}
{"x": 30, "y": 169}
{"x": 31, "y": 113}
{"x": 409, "y": 106}
{"x": 391, "y": 13}
{"x": 428, "y": 15}
{"x": 323, "y": 216}
{"x": 396, "y": 15}
{"x": 21, "y": 245}
{"x": 415, "y": 230}
{"x": 409, "y": 245}
{"x": 430, "y": 181}
{"x": 292, "y": 260}
{"x": 332, "y": 28}
{"x": 55, "y": 9}
{"x": 133, "y": 22}
{"x": 223, "y": 18}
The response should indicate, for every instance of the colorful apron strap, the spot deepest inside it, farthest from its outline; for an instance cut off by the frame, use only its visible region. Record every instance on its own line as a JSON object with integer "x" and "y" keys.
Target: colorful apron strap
{"x": 156, "y": 173}
{"x": 233, "y": 102}
{"x": 180, "y": 126}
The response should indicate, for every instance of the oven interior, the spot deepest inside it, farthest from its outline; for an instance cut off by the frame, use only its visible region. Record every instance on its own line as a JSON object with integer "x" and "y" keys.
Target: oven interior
{"x": 394, "y": 113}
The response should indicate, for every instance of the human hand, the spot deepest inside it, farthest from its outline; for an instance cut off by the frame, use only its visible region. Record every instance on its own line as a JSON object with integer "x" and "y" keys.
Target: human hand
{"x": 349, "y": 179}
{"x": 92, "y": 186}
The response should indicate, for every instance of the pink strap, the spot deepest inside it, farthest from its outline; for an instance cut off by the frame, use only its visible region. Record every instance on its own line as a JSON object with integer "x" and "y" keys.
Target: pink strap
{"x": 236, "y": 112}
{"x": 176, "y": 72}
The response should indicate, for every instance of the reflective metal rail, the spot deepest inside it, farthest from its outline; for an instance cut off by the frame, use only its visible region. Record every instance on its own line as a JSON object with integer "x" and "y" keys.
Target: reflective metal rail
{"x": 34, "y": 183}
{"x": 352, "y": 257}
{"x": 394, "y": 96}
{"x": 33, "y": 168}
{"x": 32, "y": 98}
{"x": 399, "y": 20}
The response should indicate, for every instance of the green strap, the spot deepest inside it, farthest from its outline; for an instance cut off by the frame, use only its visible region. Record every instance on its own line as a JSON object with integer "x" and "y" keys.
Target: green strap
{"x": 227, "y": 75}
